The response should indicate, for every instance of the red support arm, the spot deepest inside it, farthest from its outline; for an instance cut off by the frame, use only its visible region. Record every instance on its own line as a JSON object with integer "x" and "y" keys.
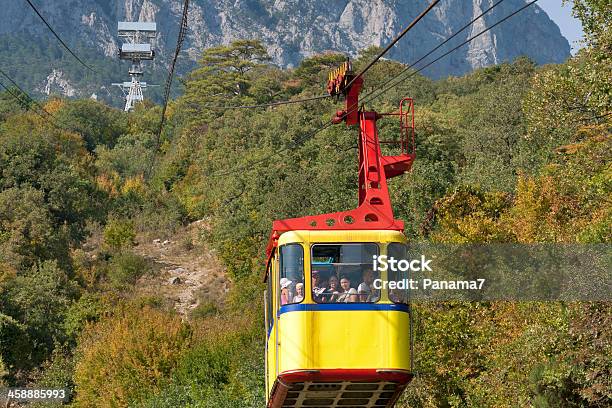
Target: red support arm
{"x": 374, "y": 210}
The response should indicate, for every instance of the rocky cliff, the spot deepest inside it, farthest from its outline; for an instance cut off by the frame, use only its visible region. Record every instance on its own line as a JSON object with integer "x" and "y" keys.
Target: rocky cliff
{"x": 291, "y": 29}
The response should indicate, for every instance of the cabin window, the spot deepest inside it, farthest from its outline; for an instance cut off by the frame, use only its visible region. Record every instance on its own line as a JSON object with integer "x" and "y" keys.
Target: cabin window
{"x": 291, "y": 281}
{"x": 343, "y": 273}
{"x": 398, "y": 251}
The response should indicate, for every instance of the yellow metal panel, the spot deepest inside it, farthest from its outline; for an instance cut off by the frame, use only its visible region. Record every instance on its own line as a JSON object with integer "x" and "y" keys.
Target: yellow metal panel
{"x": 344, "y": 339}
{"x": 307, "y": 237}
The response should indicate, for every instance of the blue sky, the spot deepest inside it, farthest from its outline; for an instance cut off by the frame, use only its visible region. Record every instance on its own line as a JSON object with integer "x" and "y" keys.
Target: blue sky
{"x": 562, "y": 15}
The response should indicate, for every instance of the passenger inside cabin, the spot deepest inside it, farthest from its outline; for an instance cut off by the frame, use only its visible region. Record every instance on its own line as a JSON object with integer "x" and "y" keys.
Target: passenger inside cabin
{"x": 366, "y": 290}
{"x": 299, "y": 295}
{"x": 323, "y": 285}
{"x": 347, "y": 294}
{"x": 332, "y": 293}
{"x": 285, "y": 285}
{"x": 317, "y": 290}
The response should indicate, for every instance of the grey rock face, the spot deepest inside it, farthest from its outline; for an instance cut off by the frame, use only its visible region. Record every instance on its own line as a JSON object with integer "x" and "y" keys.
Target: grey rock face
{"x": 294, "y": 29}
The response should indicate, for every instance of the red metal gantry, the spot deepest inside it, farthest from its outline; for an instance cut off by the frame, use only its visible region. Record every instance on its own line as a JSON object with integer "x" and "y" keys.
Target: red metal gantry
{"x": 374, "y": 210}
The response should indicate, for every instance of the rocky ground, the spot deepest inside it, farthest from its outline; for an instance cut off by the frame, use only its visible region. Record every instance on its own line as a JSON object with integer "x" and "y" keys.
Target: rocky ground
{"x": 186, "y": 272}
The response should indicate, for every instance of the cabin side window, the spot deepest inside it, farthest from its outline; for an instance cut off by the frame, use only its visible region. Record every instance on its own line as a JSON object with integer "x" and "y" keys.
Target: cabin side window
{"x": 343, "y": 273}
{"x": 291, "y": 277}
{"x": 398, "y": 251}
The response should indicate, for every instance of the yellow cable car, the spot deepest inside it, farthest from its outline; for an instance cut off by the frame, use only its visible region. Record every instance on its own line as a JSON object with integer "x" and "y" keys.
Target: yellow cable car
{"x": 335, "y": 348}
{"x": 334, "y": 337}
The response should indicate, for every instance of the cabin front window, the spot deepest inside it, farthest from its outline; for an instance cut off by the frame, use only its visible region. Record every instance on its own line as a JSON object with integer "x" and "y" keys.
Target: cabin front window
{"x": 291, "y": 277}
{"x": 343, "y": 273}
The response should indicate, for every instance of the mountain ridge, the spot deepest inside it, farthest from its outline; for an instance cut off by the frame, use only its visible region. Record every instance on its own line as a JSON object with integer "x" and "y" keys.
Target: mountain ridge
{"x": 291, "y": 30}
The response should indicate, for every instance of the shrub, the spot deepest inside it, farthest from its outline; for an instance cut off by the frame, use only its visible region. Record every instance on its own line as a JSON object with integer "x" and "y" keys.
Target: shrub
{"x": 205, "y": 366}
{"x": 163, "y": 212}
{"x": 57, "y": 373}
{"x": 204, "y": 309}
{"x": 35, "y": 306}
{"x": 128, "y": 356}
{"x": 13, "y": 343}
{"x": 119, "y": 234}
{"x": 224, "y": 369}
{"x": 89, "y": 308}
{"x": 126, "y": 268}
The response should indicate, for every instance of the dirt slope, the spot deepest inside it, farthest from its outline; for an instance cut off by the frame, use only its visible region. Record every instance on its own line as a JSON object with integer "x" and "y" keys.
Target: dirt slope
{"x": 186, "y": 272}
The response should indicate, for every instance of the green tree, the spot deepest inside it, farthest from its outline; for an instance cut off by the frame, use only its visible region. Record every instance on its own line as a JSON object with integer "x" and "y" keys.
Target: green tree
{"x": 224, "y": 77}
{"x": 37, "y": 301}
{"x": 566, "y": 97}
{"x": 492, "y": 128}
{"x": 97, "y": 123}
{"x": 314, "y": 70}
{"x": 596, "y": 21}
{"x": 132, "y": 156}
{"x": 52, "y": 163}
{"x": 27, "y": 231}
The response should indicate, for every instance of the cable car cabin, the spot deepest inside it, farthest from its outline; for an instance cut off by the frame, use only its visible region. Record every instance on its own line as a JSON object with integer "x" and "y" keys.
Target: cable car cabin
{"x": 331, "y": 340}
{"x": 334, "y": 337}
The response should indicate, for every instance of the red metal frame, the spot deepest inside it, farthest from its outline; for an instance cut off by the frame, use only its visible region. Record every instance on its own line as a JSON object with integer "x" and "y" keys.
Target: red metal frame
{"x": 374, "y": 210}
{"x": 285, "y": 379}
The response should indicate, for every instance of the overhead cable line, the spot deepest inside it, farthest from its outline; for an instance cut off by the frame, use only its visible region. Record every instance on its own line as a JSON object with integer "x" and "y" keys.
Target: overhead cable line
{"x": 179, "y": 44}
{"x": 328, "y": 124}
{"x": 363, "y": 71}
{"x": 263, "y": 105}
{"x": 24, "y": 93}
{"x": 58, "y": 37}
{"x": 16, "y": 97}
{"x": 14, "y": 83}
{"x": 394, "y": 41}
{"x": 437, "y": 47}
{"x": 24, "y": 105}
{"x": 398, "y": 77}
{"x": 49, "y": 117}
{"x": 435, "y": 60}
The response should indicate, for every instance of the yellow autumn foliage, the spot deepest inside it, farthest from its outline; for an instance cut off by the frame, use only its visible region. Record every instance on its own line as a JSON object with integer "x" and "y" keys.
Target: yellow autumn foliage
{"x": 109, "y": 183}
{"x": 54, "y": 105}
{"x": 134, "y": 185}
{"x": 126, "y": 357}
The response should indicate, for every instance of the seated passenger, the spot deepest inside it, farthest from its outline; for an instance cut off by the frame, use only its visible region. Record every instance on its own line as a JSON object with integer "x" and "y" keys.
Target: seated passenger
{"x": 347, "y": 294}
{"x": 366, "y": 290}
{"x": 299, "y": 296}
{"x": 332, "y": 293}
{"x": 317, "y": 290}
{"x": 285, "y": 284}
